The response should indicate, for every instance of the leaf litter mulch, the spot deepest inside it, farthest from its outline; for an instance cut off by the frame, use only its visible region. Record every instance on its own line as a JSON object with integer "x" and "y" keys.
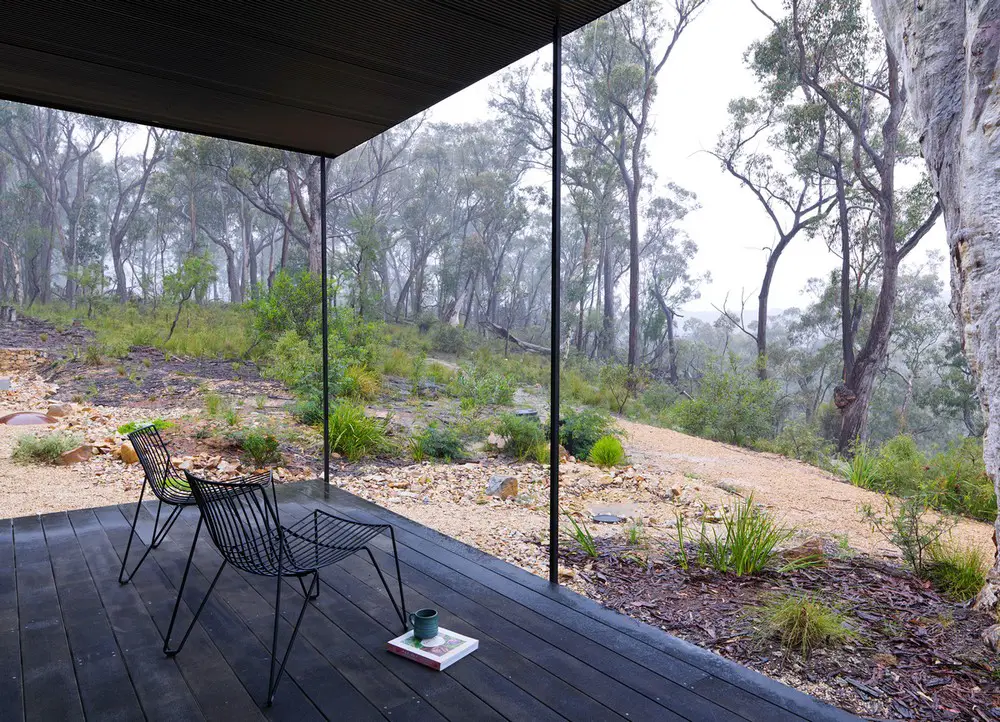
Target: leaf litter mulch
{"x": 914, "y": 655}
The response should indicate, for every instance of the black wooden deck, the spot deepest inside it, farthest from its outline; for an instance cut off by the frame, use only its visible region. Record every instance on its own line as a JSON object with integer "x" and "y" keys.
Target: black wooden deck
{"x": 74, "y": 644}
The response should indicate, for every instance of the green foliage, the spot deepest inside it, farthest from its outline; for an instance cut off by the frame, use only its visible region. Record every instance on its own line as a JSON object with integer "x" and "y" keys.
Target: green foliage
{"x": 292, "y": 360}
{"x": 291, "y": 305}
{"x": 799, "y": 440}
{"x": 635, "y": 534}
{"x": 521, "y": 435}
{"x": 160, "y": 424}
{"x": 582, "y": 536}
{"x": 214, "y": 404}
{"x": 910, "y": 526}
{"x": 446, "y": 338}
{"x": 749, "y": 542}
{"x": 437, "y": 442}
{"x": 959, "y": 572}
{"x": 309, "y": 411}
{"x": 862, "y": 470}
{"x": 398, "y": 362}
{"x": 732, "y": 405}
{"x": 261, "y": 448}
{"x": 360, "y": 383}
{"x": 622, "y": 383}
{"x": 953, "y": 480}
{"x": 803, "y": 623}
{"x": 582, "y": 429}
{"x": 44, "y": 448}
{"x": 93, "y": 355}
{"x": 482, "y": 385}
{"x": 607, "y": 452}
{"x": 356, "y": 435}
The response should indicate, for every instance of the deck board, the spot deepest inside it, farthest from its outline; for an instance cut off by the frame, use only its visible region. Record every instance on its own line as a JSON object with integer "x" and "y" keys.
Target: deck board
{"x": 74, "y": 644}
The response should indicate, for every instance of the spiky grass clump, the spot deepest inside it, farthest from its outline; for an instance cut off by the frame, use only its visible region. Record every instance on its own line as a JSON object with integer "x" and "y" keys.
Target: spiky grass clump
{"x": 44, "y": 449}
{"x": 803, "y": 623}
{"x": 748, "y": 544}
{"x": 959, "y": 572}
{"x": 260, "y": 448}
{"x": 356, "y": 435}
{"x": 437, "y": 442}
{"x": 582, "y": 536}
{"x": 607, "y": 452}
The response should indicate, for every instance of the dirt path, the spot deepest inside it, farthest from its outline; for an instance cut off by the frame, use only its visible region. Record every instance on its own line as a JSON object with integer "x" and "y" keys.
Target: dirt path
{"x": 806, "y": 497}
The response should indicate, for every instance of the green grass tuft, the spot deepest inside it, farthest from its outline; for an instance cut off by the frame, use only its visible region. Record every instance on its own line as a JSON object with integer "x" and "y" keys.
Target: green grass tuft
{"x": 356, "y": 435}
{"x": 44, "y": 449}
{"x": 607, "y": 452}
{"x": 803, "y": 623}
{"x": 959, "y": 572}
{"x": 748, "y": 544}
{"x": 582, "y": 536}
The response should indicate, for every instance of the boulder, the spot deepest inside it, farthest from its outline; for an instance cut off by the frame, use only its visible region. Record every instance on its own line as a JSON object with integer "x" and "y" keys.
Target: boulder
{"x": 127, "y": 454}
{"x": 503, "y": 486}
{"x": 809, "y": 552}
{"x": 58, "y": 410}
{"x": 74, "y": 456}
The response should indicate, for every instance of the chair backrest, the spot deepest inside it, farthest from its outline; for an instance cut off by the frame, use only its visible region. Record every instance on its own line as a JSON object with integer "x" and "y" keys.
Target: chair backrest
{"x": 153, "y": 456}
{"x": 242, "y": 519}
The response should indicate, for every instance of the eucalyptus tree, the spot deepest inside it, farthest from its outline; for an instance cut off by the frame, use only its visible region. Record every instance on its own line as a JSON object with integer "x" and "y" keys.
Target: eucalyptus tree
{"x": 613, "y": 65}
{"x": 831, "y": 52}
{"x": 772, "y": 146}
{"x": 948, "y": 52}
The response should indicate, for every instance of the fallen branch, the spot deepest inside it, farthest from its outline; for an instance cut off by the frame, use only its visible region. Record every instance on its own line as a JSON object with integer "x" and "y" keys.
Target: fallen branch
{"x": 507, "y": 335}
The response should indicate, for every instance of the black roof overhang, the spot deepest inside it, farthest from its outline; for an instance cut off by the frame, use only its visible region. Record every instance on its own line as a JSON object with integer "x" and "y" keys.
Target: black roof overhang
{"x": 311, "y": 76}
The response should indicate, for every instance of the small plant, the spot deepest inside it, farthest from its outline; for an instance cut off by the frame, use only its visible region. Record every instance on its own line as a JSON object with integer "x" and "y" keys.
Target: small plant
{"x": 482, "y": 385}
{"x": 309, "y": 411}
{"x": 682, "y": 555}
{"x": 92, "y": 355}
{"x": 911, "y": 527}
{"x": 749, "y": 543}
{"x": 582, "y": 429}
{"x": 863, "y": 469}
{"x": 607, "y": 452}
{"x": 260, "y": 402}
{"x": 958, "y": 572}
{"x": 541, "y": 453}
{"x": 213, "y": 403}
{"x": 232, "y": 416}
{"x": 160, "y": 424}
{"x": 635, "y": 534}
{"x": 44, "y": 449}
{"x": 360, "y": 383}
{"x": 521, "y": 435}
{"x": 261, "y": 448}
{"x": 803, "y": 623}
{"x": 436, "y": 442}
{"x": 581, "y": 534}
{"x": 356, "y": 435}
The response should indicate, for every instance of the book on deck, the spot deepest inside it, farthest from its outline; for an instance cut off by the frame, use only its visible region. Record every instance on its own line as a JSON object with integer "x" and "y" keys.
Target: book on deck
{"x": 438, "y": 652}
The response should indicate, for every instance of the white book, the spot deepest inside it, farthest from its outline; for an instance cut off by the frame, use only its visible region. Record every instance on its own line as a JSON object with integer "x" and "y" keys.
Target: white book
{"x": 438, "y": 652}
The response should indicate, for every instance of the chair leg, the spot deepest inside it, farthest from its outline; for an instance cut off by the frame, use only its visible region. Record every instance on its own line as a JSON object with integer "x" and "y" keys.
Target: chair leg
{"x": 275, "y": 677}
{"x": 159, "y": 534}
{"x": 167, "y": 650}
{"x": 400, "y": 608}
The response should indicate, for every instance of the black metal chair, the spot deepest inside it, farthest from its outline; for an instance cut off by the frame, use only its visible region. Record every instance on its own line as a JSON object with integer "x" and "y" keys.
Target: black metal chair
{"x": 168, "y": 486}
{"x": 243, "y": 522}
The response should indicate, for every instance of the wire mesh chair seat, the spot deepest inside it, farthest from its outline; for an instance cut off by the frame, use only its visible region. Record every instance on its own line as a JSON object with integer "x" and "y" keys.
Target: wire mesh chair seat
{"x": 167, "y": 485}
{"x": 243, "y": 522}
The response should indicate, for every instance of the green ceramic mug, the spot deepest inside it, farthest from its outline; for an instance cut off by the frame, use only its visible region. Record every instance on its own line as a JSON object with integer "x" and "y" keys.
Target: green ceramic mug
{"x": 425, "y": 623}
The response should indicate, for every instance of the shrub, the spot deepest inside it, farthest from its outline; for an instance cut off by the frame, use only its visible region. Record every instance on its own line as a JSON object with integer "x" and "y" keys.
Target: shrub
{"x": 959, "y": 572}
{"x": 160, "y": 424}
{"x": 93, "y": 355}
{"x": 622, "y": 383}
{"x": 582, "y": 536}
{"x": 289, "y": 305}
{"x": 480, "y": 385}
{"x": 521, "y": 435}
{"x": 799, "y": 440}
{"x": 732, "y": 405}
{"x": 44, "y": 449}
{"x": 911, "y": 527}
{"x": 446, "y": 338}
{"x": 803, "y": 623}
{"x": 580, "y": 430}
{"x": 901, "y": 466}
{"x": 356, "y": 435}
{"x": 607, "y": 452}
{"x": 961, "y": 483}
{"x": 360, "y": 383}
{"x": 260, "y": 448}
{"x": 436, "y": 442}
{"x": 292, "y": 360}
{"x": 749, "y": 543}
{"x": 309, "y": 411}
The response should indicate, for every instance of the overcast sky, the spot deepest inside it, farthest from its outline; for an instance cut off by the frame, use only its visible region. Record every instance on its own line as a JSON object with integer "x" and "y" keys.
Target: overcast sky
{"x": 705, "y": 72}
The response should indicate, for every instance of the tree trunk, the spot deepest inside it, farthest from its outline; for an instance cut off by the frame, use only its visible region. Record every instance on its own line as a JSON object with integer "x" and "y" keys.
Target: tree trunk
{"x": 633, "y": 274}
{"x": 948, "y": 51}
